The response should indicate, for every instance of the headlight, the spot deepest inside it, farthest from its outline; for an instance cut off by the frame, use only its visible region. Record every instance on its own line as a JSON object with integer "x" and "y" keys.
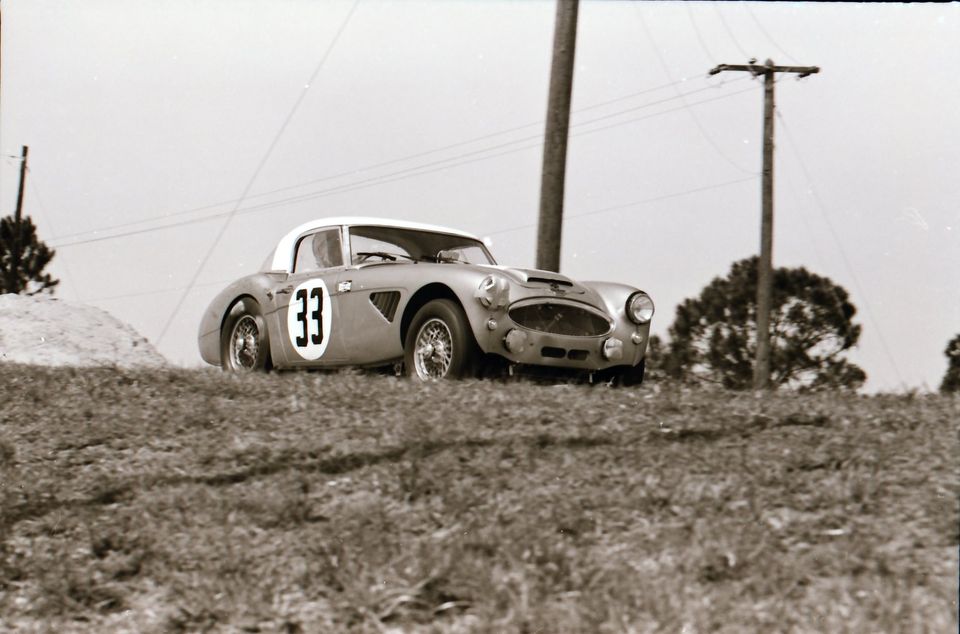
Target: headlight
{"x": 639, "y": 308}
{"x": 493, "y": 292}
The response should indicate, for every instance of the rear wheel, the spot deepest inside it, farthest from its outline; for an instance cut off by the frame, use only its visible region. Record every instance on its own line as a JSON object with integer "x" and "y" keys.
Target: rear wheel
{"x": 244, "y": 341}
{"x": 439, "y": 344}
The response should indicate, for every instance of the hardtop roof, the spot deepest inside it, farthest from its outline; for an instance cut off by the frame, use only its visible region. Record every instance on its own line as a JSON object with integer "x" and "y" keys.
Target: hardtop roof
{"x": 283, "y": 254}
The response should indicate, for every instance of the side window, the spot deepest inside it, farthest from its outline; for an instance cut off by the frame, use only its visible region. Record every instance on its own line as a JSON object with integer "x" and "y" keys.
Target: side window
{"x": 318, "y": 251}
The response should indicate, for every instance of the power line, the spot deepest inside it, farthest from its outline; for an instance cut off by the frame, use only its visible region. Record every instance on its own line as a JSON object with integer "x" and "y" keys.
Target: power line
{"x": 53, "y": 234}
{"x": 703, "y": 44}
{"x": 693, "y": 115}
{"x": 730, "y": 33}
{"x": 592, "y": 212}
{"x": 634, "y": 203}
{"x": 154, "y": 292}
{"x": 764, "y": 31}
{"x": 263, "y": 162}
{"x": 398, "y": 175}
{"x": 406, "y": 158}
{"x": 846, "y": 262}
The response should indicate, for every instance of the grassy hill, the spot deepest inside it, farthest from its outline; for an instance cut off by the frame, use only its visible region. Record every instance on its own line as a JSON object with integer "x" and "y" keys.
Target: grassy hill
{"x": 156, "y": 501}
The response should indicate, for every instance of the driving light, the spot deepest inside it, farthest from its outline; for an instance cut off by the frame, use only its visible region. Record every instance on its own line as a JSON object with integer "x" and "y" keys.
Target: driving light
{"x": 613, "y": 349}
{"x": 639, "y": 307}
{"x": 493, "y": 292}
{"x": 515, "y": 341}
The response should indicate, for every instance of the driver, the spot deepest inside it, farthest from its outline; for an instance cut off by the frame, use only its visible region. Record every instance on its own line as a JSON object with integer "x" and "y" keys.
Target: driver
{"x": 326, "y": 249}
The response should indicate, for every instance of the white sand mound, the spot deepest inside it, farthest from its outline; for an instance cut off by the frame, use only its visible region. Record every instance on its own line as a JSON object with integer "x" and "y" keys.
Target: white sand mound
{"x": 41, "y": 330}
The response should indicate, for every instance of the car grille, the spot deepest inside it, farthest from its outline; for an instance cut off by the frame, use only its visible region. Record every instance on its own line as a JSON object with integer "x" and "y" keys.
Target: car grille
{"x": 560, "y": 319}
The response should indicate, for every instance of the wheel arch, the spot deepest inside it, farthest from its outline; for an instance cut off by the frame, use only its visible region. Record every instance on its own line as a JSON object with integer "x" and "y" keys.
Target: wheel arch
{"x": 430, "y": 292}
{"x": 242, "y": 302}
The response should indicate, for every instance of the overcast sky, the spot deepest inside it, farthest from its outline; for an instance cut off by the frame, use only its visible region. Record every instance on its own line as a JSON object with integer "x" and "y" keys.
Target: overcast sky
{"x": 202, "y": 115}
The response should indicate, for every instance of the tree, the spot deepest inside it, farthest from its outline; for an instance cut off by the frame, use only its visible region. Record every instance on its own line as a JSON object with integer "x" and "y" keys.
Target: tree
{"x": 713, "y": 336}
{"x": 951, "y": 380}
{"x": 23, "y": 257}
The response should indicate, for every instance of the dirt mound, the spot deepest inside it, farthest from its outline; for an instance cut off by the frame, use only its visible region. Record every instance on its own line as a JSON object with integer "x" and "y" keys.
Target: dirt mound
{"x": 42, "y": 330}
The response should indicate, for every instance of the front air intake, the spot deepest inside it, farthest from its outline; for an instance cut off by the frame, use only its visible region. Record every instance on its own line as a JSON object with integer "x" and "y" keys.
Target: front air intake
{"x": 560, "y": 319}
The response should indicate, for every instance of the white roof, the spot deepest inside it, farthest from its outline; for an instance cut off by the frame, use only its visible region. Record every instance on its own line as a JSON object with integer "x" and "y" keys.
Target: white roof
{"x": 283, "y": 255}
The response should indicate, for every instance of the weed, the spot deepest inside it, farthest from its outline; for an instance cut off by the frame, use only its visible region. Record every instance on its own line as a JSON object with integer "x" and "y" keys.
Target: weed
{"x": 199, "y": 501}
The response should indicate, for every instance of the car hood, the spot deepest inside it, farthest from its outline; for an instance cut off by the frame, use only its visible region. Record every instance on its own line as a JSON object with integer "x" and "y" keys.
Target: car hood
{"x": 546, "y": 280}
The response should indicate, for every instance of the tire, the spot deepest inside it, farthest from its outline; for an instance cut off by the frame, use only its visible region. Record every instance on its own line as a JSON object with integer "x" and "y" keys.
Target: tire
{"x": 624, "y": 376}
{"x": 439, "y": 344}
{"x": 633, "y": 375}
{"x": 244, "y": 339}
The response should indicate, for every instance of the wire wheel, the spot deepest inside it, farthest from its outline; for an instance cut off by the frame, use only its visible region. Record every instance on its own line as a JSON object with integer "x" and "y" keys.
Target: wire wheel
{"x": 439, "y": 343}
{"x": 434, "y": 350}
{"x": 244, "y": 344}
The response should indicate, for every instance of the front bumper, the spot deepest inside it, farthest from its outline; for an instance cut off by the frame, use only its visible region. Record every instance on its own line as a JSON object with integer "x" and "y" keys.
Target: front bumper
{"x": 524, "y": 346}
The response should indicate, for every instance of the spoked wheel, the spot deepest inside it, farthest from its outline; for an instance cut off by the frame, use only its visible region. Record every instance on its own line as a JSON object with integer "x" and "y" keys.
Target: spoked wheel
{"x": 434, "y": 350}
{"x": 439, "y": 343}
{"x": 244, "y": 342}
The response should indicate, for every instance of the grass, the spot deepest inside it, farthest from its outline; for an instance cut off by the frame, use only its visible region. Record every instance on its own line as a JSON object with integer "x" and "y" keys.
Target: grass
{"x": 184, "y": 501}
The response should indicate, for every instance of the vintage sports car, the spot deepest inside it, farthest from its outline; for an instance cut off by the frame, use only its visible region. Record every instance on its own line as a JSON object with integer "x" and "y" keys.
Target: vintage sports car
{"x": 428, "y": 301}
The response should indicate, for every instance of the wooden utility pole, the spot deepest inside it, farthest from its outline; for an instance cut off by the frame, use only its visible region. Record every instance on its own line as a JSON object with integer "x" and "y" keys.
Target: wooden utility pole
{"x": 15, "y": 253}
{"x": 761, "y": 366}
{"x": 23, "y": 179}
{"x": 550, "y": 226}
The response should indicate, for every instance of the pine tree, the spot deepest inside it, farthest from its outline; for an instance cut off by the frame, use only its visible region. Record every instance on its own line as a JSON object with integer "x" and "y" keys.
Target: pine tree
{"x": 951, "y": 380}
{"x": 713, "y": 337}
{"x": 23, "y": 257}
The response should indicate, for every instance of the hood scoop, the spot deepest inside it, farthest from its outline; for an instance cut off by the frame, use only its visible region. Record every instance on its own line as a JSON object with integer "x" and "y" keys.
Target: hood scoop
{"x": 549, "y": 281}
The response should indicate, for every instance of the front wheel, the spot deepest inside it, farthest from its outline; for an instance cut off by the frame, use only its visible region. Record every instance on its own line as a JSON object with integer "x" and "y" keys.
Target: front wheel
{"x": 624, "y": 376}
{"x": 244, "y": 341}
{"x": 439, "y": 344}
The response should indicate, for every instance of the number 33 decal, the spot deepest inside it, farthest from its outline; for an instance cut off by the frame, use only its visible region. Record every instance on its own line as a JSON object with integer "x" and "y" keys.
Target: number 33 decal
{"x": 308, "y": 319}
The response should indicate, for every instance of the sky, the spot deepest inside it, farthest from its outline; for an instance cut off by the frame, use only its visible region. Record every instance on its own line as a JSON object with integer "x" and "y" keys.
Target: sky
{"x": 173, "y": 143}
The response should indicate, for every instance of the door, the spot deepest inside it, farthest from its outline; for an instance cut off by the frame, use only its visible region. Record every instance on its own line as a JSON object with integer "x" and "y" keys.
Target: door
{"x": 306, "y": 303}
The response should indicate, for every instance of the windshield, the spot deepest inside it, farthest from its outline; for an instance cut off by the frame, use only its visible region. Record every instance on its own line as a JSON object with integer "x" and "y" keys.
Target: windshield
{"x": 373, "y": 244}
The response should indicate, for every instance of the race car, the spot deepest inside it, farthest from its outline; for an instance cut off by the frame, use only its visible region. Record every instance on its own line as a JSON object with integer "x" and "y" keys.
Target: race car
{"x": 427, "y": 301}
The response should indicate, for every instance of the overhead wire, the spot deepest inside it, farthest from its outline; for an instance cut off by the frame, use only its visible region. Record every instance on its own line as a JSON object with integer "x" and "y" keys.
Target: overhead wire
{"x": 693, "y": 115}
{"x": 159, "y": 291}
{"x": 402, "y": 159}
{"x": 260, "y": 165}
{"x": 633, "y": 203}
{"x": 696, "y": 29}
{"x": 726, "y": 27}
{"x": 591, "y": 212}
{"x": 768, "y": 36}
{"x": 833, "y": 232}
{"x": 35, "y": 189}
{"x": 403, "y": 174}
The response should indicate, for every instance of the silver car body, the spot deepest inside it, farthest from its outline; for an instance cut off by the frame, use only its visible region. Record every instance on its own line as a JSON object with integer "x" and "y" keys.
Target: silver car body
{"x": 357, "y": 311}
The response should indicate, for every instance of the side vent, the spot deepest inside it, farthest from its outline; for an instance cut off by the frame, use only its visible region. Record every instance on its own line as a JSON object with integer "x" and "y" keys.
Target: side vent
{"x": 386, "y": 302}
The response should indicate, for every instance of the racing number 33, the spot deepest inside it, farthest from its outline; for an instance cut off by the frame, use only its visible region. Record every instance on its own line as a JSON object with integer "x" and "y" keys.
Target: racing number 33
{"x": 316, "y": 316}
{"x": 309, "y": 319}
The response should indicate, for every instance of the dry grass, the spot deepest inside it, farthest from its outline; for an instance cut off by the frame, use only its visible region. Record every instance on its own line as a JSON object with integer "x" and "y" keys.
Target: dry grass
{"x": 165, "y": 501}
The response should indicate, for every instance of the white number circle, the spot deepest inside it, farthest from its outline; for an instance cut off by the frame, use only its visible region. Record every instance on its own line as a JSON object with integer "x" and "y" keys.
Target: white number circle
{"x": 308, "y": 319}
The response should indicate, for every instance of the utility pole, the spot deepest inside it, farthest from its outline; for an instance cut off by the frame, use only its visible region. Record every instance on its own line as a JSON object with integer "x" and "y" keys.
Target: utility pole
{"x": 761, "y": 366}
{"x": 23, "y": 178}
{"x": 550, "y": 225}
{"x": 15, "y": 254}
